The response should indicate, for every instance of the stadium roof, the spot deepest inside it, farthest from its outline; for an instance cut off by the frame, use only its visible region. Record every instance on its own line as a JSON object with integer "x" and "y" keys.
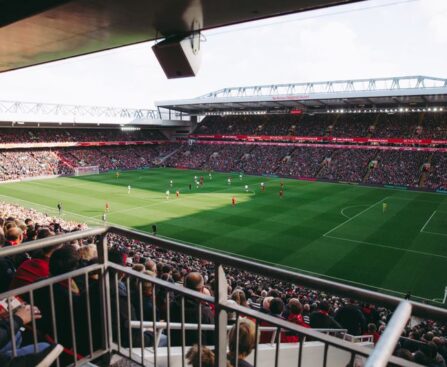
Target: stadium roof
{"x": 15, "y": 113}
{"x": 39, "y": 31}
{"x": 408, "y": 91}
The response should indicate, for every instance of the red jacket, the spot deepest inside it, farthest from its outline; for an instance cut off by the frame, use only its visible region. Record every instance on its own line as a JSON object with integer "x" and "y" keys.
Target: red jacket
{"x": 289, "y": 336}
{"x": 30, "y": 271}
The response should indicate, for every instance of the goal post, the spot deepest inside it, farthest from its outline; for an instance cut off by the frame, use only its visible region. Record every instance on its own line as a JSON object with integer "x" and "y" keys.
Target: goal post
{"x": 87, "y": 170}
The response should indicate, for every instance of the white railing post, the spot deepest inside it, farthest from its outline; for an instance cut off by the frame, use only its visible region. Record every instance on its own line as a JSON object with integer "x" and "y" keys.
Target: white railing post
{"x": 387, "y": 342}
{"x": 221, "y": 317}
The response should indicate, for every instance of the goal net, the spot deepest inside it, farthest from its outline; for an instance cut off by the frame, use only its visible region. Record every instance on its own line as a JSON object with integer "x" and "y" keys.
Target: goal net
{"x": 88, "y": 170}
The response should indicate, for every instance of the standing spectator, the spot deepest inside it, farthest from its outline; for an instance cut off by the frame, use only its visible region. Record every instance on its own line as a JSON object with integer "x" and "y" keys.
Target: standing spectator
{"x": 350, "y": 317}
{"x": 321, "y": 319}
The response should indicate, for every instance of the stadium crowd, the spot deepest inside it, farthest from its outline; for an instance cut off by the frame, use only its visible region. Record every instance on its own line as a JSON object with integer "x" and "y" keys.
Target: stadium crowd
{"x": 46, "y": 135}
{"x": 370, "y": 166}
{"x": 382, "y": 125}
{"x": 423, "y": 341}
{"x": 17, "y": 164}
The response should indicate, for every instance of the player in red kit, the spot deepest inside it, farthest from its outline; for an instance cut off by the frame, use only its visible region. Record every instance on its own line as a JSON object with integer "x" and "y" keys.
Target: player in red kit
{"x": 177, "y": 193}
{"x": 107, "y": 207}
{"x": 233, "y": 201}
{"x": 281, "y": 193}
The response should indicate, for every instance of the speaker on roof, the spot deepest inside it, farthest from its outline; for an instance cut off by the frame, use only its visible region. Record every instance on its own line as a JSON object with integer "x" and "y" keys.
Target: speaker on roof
{"x": 179, "y": 57}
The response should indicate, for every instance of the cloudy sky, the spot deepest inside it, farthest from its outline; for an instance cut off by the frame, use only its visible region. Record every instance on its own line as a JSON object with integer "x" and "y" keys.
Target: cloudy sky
{"x": 376, "y": 38}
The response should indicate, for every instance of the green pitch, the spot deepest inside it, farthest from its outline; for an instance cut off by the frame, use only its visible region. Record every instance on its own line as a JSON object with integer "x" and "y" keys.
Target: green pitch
{"x": 340, "y": 232}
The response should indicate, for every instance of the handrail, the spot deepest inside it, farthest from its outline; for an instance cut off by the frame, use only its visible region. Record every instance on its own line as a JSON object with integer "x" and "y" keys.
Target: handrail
{"x": 344, "y": 290}
{"x": 387, "y": 342}
{"x": 52, "y": 241}
{"x": 340, "y": 289}
{"x": 149, "y": 325}
{"x": 379, "y": 356}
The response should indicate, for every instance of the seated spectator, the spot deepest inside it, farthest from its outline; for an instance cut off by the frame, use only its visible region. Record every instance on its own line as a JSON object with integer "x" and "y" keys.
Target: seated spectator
{"x": 197, "y": 359}
{"x": 22, "y": 316}
{"x": 276, "y": 308}
{"x": 247, "y": 342}
{"x": 119, "y": 291}
{"x": 35, "y": 269}
{"x": 293, "y": 315}
{"x": 193, "y": 281}
{"x": 238, "y": 296}
{"x": 63, "y": 260}
{"x": 372, "y": 330}
{"x": 404, "y": 354}
{"x": 7, "y": 267}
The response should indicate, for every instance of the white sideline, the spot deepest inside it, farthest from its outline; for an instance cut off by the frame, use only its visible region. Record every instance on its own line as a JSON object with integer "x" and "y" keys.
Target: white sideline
{"x": 426, "y": 223}
{"x": 388, "y": 247}
{"x": 355, "y": 216}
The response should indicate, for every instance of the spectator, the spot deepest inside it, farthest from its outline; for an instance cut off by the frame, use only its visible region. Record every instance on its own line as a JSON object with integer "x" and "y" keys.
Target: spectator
{"x": 293, "y": 315}
{"x": 247, "y": 342}
{"x": 34, "y": 269}
{"x": 22, "y": 317}
{"x": 350, "y": 317}
{"x": 322, "y": 320}
{"x": 193, "y": 281}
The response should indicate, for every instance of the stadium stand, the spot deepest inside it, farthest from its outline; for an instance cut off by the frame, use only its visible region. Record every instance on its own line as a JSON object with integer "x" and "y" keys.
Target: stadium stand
{"x": 368, "y": 164}
{"x": 348, "y": 125}
{"x": 422, "y": 341}
{"x": 27, "y": 135}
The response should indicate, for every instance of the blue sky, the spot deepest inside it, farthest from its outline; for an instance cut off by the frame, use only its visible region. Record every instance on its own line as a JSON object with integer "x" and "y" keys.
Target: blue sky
{"x": 376, "y": 38}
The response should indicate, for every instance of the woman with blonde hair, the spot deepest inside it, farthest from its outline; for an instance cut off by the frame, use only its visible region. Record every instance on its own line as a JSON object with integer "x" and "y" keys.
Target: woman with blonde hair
{"x": 247, "y": 342}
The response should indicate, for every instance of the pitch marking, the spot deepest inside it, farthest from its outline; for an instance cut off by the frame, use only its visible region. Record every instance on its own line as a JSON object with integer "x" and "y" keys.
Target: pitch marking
{"x": 426, "y": 223}
{"x": 342, "y": 212}
{"x": 388, "y": 247}
{"x": 355, "y": 216}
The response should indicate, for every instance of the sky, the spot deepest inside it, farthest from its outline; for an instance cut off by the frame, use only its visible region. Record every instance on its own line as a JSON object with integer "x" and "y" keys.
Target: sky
{"x": 376, "y": 38}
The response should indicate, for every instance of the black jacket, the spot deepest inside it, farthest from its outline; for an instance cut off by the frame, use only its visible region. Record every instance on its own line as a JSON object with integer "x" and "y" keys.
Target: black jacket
{"x": 351, "y": 318}
{"x": 5, "y": 330}
{"x": 191, "y": 316}
{"x": 7, "y": 272}
{"x": 124, "y": 317}
{"x": 320, "y": 320}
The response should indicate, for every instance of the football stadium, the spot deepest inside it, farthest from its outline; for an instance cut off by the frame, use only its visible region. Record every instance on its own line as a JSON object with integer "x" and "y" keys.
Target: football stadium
{"x": 298, "y": 224}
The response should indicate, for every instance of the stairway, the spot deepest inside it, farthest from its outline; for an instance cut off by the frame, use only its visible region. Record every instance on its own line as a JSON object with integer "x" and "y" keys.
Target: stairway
{"x": 368, "y": 169}
{"x": 424, "y": 174}
{"x": 322, "y": 165}
{"x": 376, "y": 121}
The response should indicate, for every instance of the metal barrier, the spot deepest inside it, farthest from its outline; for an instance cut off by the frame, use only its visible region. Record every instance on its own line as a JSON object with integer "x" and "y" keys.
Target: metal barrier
{"x": 109, "y": 294}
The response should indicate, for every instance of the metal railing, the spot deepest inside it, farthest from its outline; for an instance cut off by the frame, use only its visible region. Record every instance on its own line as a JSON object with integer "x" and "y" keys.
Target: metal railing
{"x": 107, "y": 332}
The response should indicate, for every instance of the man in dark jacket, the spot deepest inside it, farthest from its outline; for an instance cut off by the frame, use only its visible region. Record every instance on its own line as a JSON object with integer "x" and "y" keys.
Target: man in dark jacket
{"x": 193, "y": 281}
{"x": 350, "y": 317}
{"x": 320, "y": 319}
{"x": 7, "y": 267}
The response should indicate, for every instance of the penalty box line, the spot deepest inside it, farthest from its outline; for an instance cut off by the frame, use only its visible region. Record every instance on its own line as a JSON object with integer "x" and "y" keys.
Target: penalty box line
{"x": 355, "y": 216}
{"x": 430, "y": 232}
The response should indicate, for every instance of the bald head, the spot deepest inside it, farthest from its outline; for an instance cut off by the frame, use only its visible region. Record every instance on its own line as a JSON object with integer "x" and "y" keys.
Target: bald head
{"x": 14, "y": 234}
{"x": 151, "y": 266}
{"x": 194, "y": 281}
